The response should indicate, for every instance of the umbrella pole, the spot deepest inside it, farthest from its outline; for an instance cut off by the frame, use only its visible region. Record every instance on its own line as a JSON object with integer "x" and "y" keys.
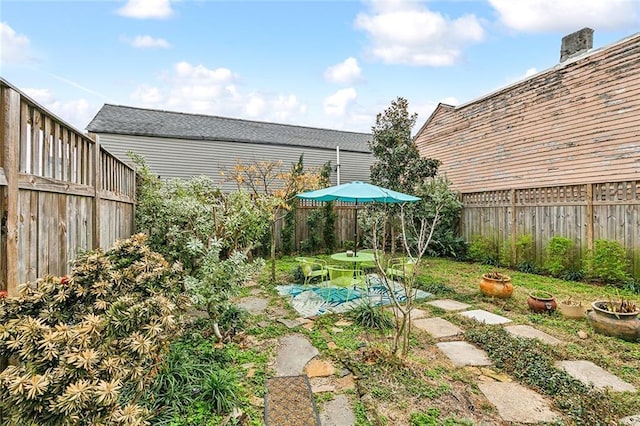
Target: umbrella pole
{"x": 355, "y": 231}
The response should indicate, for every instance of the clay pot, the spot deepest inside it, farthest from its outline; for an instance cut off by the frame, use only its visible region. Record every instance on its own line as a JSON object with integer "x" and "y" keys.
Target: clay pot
{"x": 624, "y": 326}
{"x": 496, "y": 287}
{"x": 541, "y": 301}
{"x": 572, "y": 311}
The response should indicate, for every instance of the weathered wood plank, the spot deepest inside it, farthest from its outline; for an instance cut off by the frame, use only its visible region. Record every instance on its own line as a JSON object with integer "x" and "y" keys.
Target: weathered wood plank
{"x": 38, "y": 183}
{"x": 10, "y": 122}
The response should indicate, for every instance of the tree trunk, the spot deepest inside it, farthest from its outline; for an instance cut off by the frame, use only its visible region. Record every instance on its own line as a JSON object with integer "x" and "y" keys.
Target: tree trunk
{"x": 273, "y": 252}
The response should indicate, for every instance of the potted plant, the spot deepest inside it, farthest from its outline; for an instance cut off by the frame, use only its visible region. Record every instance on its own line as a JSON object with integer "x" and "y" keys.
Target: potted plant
{"x": 619, "y": 319}
{"x": 496, "y": 284}
{"x": 542, "y": 301}
{"x": 572, "y": 309}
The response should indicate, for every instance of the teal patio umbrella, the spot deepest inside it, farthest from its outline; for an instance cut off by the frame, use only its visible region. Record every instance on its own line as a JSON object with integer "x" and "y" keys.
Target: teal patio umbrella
{"x": 358, "y": 192}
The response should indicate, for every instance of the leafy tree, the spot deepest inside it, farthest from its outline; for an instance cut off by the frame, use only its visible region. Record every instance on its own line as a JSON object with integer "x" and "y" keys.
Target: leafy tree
{"x": 210, "y": 233}
{"x": 274, "y": 189}
{"x": 289, "y": 226}
{"x": 398, "y": 164}
{"x": 418, "y": 226}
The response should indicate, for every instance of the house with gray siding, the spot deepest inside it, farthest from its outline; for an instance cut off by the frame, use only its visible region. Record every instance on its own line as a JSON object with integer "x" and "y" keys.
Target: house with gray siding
{"x": 181, "y": 145}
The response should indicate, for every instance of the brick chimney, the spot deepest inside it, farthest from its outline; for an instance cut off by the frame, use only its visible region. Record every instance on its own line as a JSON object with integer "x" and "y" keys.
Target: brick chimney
{"x": 576, "y": 43}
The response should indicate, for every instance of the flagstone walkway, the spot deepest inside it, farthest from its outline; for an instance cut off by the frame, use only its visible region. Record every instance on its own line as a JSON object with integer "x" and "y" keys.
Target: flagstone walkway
{"x": 514, "y": 402}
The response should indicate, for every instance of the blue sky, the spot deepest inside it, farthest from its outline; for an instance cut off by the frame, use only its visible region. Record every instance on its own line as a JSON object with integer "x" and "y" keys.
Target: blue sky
{"x": 332, "y": 64}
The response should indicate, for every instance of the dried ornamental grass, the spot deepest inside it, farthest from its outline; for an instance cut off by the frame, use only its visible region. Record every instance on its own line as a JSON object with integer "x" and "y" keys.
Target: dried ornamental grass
{"x": 79, "y": 340}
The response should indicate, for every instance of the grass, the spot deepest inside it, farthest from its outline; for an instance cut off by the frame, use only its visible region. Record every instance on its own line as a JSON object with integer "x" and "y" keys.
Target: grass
{"x": 424, "y": 388}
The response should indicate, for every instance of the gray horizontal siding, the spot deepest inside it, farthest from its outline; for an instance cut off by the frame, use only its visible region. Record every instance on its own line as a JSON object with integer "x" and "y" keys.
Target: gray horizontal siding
{"x": 178, "y": 158}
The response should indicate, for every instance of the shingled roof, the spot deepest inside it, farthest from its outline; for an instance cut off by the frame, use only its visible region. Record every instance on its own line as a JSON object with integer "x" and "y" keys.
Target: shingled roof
{"x": 124, "y": 120}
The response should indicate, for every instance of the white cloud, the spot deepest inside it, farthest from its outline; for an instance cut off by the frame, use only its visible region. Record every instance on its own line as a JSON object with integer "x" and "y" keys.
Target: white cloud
{"x": 14, "y": 47}
{"x": 566, "y": 15}
{"x": 405, "y": 32}
{"x": 531, "y": 71}
{"x": 146, "y": 9}
{"x": 337, "y": 104}
{"x": 198, "y": 89}
{"x": 345, "y": 72}
{"x": 148, "y": 42}
{"x": 77, "y": 112}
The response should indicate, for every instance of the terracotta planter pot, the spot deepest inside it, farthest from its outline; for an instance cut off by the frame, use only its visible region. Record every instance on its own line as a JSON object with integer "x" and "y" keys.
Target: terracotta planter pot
{"x": 572, "y": 311}
{"x": 496, "y": 287}
{"x": 624, "y": 326}
{"x": 541, "y": 301}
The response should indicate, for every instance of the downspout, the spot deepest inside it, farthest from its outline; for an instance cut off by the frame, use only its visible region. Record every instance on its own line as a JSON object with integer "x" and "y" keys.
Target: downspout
{"x": 337, "y": 165}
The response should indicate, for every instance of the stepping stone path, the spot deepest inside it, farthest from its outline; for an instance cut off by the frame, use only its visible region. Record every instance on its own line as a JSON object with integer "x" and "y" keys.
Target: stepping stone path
{"x": 516, "y": 403}
{"x": 254, "y": 305}
{"x": 294, "y": 353}
{"x": 587, "y": 372}
{"x": 415, "y": 313}
{"x": 485, "y": 317}
{"x": 337, "y": 412}
{"x": 463, "y": 353}
{"x": 448, "y": 305}
{"x": 437, "y": 327}
{"x": 293, "y": 323}
{"x": 531, "y": 333}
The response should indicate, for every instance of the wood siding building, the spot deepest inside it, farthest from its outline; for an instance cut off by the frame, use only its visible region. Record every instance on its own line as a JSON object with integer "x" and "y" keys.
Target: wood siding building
{"x": 575, "y": 123}
{"x": 179, "y": 145}
{"x": 556, "y": 154}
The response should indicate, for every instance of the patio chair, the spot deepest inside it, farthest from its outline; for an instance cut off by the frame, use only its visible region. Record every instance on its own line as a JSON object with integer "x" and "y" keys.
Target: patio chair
{"x": 369, "y": 267}
{"x": 313, "y": 268}
{"x": 400, "y": 268}
{"x": 345, "y": 278}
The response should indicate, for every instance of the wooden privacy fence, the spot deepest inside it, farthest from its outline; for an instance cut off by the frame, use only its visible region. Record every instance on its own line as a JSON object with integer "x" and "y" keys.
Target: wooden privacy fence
{"x": 343, "y": 224}
{"x": 582, "y": 213}
{"x": 60, "y": 192}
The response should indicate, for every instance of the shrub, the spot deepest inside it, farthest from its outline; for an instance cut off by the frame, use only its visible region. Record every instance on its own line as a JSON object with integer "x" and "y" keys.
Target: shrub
{"x": 221, "y": 389}
{"x": 607, "y": 262}
{"x": 559, "y": 255}
{"x": 370, "y": 316}
{"x": 81, "y": 341}
{"x": 482, "y": 249}
{"x": 178, "y": 391}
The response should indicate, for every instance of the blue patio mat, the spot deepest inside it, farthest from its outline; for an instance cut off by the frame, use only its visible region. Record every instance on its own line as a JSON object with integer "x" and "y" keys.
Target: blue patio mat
{"x": 310, "y": 301}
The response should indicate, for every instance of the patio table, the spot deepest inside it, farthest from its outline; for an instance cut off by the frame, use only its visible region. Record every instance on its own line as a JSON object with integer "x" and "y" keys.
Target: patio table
{"x": 358, "y": 258}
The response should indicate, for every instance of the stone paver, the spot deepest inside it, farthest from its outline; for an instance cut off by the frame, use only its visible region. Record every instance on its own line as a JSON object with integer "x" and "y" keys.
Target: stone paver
{"x": 293, "y": 323}
{"x": 463, "y": 353}
{"x": 448, "y": 305}
{"x": 437, "y": 327}
{"x": 318, "y": 368}
{"x": 255, "y": 305}
{"x": 415, "y": 313}
{"x": 486, "y": 317}
{"x": 630, "y": 421}
{"x": 587, "y": 372}
{"x": 532, "y": 333}
{"x": 337, "y": 412}
{"x": 294, "y": 352}
{"x": 516, "y": 403}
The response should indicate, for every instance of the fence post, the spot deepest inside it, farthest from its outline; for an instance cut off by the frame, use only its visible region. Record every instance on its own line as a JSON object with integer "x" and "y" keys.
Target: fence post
{"x": 97, "y": 185}
{"x": 10, "y": 161}
{"x": 514, "y": 231}
{"x": 590, "y": 217}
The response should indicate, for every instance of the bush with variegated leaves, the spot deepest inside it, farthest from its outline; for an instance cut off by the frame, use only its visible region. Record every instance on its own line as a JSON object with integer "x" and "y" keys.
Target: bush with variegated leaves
{"x": 78, "y": 342}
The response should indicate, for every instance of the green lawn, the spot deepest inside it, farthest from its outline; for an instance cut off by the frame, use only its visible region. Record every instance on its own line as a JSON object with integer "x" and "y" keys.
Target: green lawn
{"x": 424, "y": 388}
